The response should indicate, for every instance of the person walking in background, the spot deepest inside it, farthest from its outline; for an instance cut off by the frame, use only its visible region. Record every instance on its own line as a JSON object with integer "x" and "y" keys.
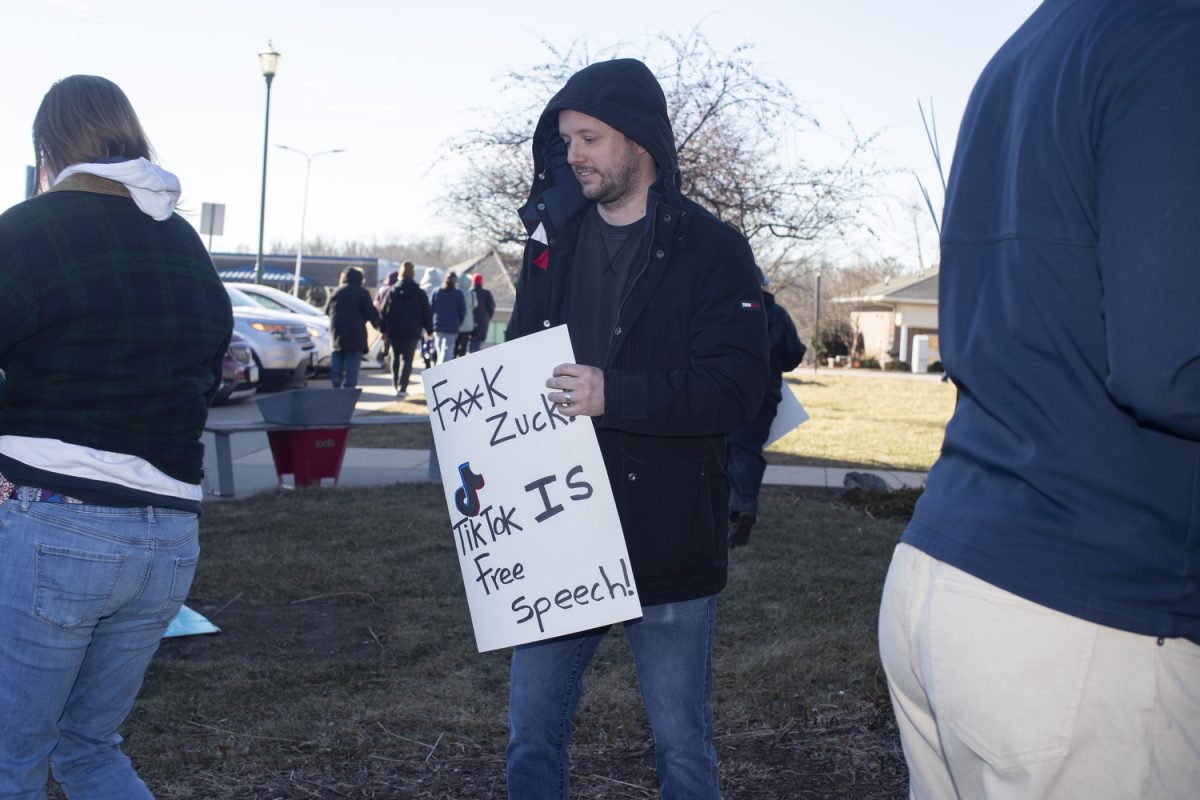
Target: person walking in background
{"x": 380, "y": 295}
{"x": 406, "y": 317}
{"x": 671, "y": 349}
{"x": 449, "y": 311}
{"x": 431, "y": 278}
{"x": 463, "y": 340}
{"x": 485, "y": 309}
{"x": 349, "y": 310}
{"x": 1040, "y": 622}
{"x": 113, "y": 327}
{"x": 391, "y": 280}
{"x": 745, "y": 463}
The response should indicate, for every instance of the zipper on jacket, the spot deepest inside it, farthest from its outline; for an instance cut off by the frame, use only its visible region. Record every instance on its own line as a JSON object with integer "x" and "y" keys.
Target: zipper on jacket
{"x": 636, "y": 278}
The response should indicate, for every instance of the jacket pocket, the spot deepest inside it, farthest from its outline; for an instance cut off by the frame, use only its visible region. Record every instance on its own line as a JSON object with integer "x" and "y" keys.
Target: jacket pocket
{"x": 667, "y": 505}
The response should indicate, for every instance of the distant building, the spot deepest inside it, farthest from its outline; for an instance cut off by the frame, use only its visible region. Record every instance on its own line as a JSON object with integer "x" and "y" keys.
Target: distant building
{"x": 889, "y": 314}
{"x": 321, "y": 270}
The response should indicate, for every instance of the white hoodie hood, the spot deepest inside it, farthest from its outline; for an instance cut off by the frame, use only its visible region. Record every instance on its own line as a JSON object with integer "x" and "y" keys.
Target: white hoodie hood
{"x": 153, "y": 189}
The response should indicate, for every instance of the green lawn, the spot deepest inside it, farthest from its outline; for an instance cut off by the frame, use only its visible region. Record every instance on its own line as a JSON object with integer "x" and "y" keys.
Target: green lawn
{"x": 894, "y": 423}
{"x": 870, "y": 421}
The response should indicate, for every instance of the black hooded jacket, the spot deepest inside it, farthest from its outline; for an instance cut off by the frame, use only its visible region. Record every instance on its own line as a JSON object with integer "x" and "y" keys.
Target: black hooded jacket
{"x": 687, "y": 360}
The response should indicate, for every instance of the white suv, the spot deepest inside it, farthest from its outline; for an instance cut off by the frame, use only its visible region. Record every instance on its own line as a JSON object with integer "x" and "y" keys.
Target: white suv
{"x": 281, "y": 344}
{"x": 318, "y": 324}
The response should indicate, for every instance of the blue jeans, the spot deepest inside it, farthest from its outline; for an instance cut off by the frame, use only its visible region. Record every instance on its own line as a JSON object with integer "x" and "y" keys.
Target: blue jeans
{"x": 343, "y": 368}
{"x": 85, "y": 595}
{"x": 672, "y": 649}
{"x": 445, "y": 345}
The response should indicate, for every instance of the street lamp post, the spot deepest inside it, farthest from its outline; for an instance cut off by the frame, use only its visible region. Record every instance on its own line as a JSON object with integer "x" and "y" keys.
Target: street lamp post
{"x": 268, "y": 61}
{"x": 304, "y": 204}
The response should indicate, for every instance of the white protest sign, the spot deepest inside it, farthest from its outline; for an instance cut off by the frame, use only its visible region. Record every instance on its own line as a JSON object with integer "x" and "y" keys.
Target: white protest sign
{"x": 531, "y": 510}
{"x": 789, "y": 414}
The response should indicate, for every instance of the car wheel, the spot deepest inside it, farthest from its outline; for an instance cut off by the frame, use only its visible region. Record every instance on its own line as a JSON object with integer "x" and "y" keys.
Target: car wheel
{"x": 263, "y": 384}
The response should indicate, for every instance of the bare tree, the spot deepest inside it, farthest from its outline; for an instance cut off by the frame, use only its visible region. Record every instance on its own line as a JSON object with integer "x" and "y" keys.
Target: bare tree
{"x": 736, "y": 133}
{"x": 428, "y": 251}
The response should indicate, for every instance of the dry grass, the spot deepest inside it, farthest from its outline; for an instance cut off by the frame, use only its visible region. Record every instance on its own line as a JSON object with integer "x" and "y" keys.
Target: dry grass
{"x": 347, "y": 666}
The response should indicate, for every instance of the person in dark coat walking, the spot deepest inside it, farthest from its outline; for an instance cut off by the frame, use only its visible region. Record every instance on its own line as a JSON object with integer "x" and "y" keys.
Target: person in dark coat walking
{"x": 380, "y": 296}
{"x": 485, "y": 309}
{"x": 349, "y": 310}
{"x": 449, "y": 311}
{"x": 663, "y": 307}
{"x": 406, "y": 315}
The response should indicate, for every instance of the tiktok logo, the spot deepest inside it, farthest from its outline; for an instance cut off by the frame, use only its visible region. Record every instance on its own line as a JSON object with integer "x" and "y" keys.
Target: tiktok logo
{"x": 466, "y": 499}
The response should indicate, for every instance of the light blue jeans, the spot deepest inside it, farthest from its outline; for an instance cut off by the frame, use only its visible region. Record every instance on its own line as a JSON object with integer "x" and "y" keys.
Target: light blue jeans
{"x": 343, "y": 368}
{"x": 672, "y": 649}
{"x": 85, "y": 595}
{"x": 445, "y": 345}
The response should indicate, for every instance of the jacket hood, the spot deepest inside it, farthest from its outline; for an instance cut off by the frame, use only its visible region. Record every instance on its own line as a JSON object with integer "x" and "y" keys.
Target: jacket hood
{"x": 622, "y": 93}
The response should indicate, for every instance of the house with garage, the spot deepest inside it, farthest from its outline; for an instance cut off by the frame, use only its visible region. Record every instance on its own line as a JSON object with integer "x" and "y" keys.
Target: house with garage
{"x": 889, "y": 316}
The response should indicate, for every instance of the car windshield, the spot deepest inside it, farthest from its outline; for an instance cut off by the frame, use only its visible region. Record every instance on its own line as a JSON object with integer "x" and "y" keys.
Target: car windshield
{"x": 267, "y": 302}
{"x": 270, "y": 297}
{"x": 239, "y": 298}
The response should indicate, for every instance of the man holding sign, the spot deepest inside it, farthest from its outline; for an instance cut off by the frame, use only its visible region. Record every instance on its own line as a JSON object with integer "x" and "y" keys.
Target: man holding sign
{"x": 666, "y": 321}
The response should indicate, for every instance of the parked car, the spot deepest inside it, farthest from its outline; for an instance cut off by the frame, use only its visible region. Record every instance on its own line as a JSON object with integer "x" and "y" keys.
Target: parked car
{"x": 239, "y": 373}
{"x": 280, "y": 343}
{"x": 318, "y": 324}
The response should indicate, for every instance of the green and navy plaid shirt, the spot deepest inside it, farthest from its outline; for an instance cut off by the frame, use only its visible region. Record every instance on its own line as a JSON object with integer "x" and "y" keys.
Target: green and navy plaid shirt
{"x": 112, "y": 330}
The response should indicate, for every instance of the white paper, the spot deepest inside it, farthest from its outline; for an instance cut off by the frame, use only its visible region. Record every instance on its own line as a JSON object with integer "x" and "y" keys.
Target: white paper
{"x": 789, "y": 414}
{"x": 532, "y": 514}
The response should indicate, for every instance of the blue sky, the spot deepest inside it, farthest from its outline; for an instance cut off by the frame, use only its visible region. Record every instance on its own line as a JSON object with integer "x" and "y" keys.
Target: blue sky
{"x": 392, "y": 82}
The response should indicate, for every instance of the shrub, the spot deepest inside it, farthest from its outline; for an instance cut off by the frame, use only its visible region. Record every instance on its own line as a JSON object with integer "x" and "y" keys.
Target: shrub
{"x": 896, "y": 365}
{"x": 935, "y": 366}
{"x": 868, "y": 363}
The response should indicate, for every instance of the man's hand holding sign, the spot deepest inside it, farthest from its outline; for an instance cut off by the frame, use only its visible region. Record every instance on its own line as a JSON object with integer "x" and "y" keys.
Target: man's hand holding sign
{"x": 581, "y": 390}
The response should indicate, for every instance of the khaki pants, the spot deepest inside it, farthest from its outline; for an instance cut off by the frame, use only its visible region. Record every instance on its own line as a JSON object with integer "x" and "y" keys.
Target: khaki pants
{"x": 997, "y": 697}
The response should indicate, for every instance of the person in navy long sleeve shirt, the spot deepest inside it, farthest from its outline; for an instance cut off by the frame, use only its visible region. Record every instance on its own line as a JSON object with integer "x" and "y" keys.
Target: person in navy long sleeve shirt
{"x": 1041, "y": 619}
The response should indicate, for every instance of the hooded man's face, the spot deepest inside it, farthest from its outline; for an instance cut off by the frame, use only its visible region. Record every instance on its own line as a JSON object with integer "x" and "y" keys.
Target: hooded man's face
{"x": 608, "y": 165}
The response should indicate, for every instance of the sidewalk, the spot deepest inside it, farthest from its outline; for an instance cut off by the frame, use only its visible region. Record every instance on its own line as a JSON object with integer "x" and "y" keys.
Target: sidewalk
{"x": 254, "y": 469}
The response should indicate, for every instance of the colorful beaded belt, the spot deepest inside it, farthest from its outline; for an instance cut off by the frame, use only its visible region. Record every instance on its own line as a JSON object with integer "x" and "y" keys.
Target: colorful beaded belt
{"x": 33, "y": 494}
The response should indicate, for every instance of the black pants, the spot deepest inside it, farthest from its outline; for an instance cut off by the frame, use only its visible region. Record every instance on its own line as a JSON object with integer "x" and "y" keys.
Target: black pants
{"x": 402, "y": 350}
{"x": 461, "y": 344}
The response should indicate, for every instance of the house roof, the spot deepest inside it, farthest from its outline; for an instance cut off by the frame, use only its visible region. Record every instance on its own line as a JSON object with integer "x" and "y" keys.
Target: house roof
{"x": 495, "y": 277}
{"x": 921, "y": 288}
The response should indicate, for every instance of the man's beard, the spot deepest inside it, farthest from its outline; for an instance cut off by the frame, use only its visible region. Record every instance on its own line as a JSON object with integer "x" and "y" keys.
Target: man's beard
{"x": 609, "y": 191}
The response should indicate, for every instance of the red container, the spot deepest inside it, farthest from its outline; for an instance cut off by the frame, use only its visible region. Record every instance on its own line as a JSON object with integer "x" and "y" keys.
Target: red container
{"x": 308, "y": 454}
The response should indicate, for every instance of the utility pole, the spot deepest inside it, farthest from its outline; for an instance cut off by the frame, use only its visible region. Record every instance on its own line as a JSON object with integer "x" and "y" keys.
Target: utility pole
{"x": 817, "y": 324}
